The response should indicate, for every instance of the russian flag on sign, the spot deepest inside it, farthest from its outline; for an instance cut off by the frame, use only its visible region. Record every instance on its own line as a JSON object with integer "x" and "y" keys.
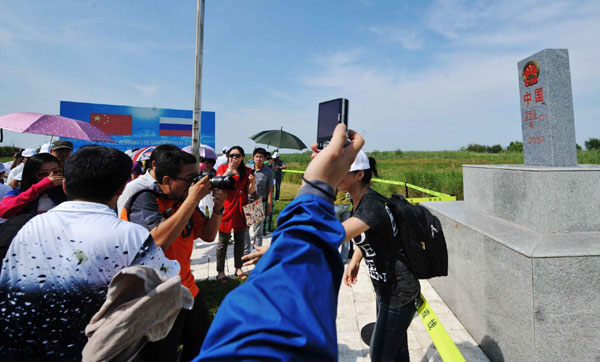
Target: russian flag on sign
{"x": 171, "y": 126}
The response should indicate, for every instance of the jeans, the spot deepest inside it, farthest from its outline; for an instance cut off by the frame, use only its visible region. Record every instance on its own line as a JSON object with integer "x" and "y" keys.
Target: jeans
{"x": 277, "y": 187}
{"x": 238, "y": 248}
{"x": 258, "y": 230}
{"x": 389, "y": 342}
{"x": 268, "y": 221}
{"x": 342, "y": 213}
{"x": 258, "y": 227}
{"x": 247, "y": 243}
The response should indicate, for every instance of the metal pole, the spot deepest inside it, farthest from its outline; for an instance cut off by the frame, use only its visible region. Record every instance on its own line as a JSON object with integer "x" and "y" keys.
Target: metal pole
{"x": 198, "y": 78}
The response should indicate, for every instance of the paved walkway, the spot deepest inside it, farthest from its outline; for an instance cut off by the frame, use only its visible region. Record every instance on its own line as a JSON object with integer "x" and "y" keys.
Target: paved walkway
{"x": 356, "y": 308}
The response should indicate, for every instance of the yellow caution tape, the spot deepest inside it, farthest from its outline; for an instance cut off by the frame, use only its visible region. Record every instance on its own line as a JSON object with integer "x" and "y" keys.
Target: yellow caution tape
{"x": 416, "y": 200}
{"x": 414, "y": 187}
{"x": 293, "y": 171}
{"x": 444, "y": 345}
{"x": 439, "y": 196}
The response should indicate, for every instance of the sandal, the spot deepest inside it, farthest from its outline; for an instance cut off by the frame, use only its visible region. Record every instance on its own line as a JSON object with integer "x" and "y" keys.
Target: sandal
{"x": 223, "y": 280}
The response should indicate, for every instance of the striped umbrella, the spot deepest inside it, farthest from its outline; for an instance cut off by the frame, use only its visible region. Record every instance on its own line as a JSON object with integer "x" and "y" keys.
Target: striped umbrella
{"x": 142, "y": 154}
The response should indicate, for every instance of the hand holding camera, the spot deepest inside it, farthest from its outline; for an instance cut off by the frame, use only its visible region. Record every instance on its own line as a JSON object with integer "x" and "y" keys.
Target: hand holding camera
{"x": 200, "y": 187}
{"x": 218, "y": 198}
{"x": 332, "y": 163}
{"x": 219, "y": 182}
{"x": 331, "y": 113}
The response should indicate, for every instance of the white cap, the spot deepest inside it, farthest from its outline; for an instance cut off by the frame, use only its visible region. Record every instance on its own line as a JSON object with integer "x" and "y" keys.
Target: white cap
{"x": 275, "y": 155}
{"x": 45, "y": 148}
{"x": 361, "y": 162}
{"x": 225, "y": 149}
{"x": 28, "y": 152}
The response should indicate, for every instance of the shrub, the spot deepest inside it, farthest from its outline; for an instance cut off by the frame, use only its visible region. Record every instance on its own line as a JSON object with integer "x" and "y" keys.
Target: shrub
{"x": 592, "y": 144}
{"x": 8, "y": 151}
{"x": 495, "y": 149}
{"x": 515, "y": 146}
{"x": 474, "y": 147}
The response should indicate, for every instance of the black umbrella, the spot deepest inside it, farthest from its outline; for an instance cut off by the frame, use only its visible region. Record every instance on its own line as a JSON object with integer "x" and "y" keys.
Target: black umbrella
{"x": 279, "y": 139}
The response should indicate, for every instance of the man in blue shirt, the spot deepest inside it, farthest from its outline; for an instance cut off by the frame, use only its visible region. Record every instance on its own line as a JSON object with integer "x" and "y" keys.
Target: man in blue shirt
{"x": 287, "y": 308}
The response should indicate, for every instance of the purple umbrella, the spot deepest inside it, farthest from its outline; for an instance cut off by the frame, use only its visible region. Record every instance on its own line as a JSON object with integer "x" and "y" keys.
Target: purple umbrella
{"x": 46, "y": 124}
{"x": 205, "y": 151}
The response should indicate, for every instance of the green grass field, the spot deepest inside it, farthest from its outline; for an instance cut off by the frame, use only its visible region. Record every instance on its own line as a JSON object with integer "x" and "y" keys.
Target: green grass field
{"x": 434, "y": 170}
{"x": 437, "y": 170}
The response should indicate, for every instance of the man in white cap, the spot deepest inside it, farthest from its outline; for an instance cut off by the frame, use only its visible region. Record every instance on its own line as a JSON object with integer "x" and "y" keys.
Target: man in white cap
{"x": 221, "y": 160}
{"x": 27, "y": 153}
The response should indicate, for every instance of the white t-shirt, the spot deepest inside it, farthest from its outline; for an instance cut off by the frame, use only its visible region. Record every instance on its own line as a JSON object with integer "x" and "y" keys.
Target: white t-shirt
{"x": 143, "y": 182}
{"x": 57, "y": 270}
{"x": 221, "y": 160}
{"x": 14, "y": 172}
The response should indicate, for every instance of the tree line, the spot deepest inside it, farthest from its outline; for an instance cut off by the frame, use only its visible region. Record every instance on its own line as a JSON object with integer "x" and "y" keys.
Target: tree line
{"x": 517, "y": 146}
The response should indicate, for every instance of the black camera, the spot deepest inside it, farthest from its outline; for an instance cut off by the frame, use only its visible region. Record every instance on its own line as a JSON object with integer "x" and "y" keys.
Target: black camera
{"x": 220, "y": 182}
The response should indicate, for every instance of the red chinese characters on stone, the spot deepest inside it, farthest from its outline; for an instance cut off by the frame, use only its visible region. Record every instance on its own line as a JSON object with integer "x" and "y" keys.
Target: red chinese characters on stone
{"x": 527, "y": 98}
{"x": 539, "y": 95}
{"x": 530, "y": 116}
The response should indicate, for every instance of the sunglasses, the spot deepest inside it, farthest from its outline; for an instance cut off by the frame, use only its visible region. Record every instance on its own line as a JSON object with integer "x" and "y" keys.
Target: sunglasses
{"x": 55, "y": 172}
{"x": 235, "y": 155}
{"x": 188, "y": 179}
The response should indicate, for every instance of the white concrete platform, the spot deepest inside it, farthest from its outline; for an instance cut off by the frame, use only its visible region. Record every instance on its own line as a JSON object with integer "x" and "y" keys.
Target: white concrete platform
{"x": 356, "y": 308}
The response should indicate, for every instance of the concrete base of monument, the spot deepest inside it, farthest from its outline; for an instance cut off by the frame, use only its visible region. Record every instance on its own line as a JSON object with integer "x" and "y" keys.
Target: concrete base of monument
{"x": 541, "y": 198}
{"x": 522, "y": 295}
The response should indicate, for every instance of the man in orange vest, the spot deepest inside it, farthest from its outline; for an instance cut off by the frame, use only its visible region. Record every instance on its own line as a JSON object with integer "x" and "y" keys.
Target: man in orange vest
{"x": 170, "y": 211}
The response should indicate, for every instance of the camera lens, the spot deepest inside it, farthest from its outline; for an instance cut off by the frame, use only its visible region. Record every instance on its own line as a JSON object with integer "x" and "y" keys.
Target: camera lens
{"x": 223, "y": 182}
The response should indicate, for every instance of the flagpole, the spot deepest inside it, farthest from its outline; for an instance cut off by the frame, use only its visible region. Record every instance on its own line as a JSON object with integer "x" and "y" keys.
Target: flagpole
{"x": 197, "y": 122}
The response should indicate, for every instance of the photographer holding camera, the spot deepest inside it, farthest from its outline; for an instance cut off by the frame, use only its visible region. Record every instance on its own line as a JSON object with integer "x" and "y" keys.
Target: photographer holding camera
{"x": 169, "y": 210}
{"x": 234, "y": 218}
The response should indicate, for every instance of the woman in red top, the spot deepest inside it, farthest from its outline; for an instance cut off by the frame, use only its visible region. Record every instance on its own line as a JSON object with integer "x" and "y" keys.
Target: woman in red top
{"x": 233, "y": 216}
{"x": 40, "y": 189}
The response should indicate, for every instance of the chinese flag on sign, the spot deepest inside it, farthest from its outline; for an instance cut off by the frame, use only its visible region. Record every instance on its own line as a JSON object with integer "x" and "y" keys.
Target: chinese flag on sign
{"x": 112, "y": 124}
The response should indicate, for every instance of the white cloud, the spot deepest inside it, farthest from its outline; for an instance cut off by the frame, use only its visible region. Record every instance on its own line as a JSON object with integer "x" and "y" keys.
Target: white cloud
{"x": 409, "y": 39}
{"x": 146, "y": 90}
{"x": 468, "y": 93}
{"x": 464, "y": 91}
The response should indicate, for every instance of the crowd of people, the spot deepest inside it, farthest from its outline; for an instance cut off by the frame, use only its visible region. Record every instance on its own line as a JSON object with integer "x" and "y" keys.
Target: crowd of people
{"x": 92, "y": 218}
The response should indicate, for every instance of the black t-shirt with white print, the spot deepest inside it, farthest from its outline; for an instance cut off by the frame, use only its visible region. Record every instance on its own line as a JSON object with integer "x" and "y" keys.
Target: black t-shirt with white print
{"x": 390, "y": 276}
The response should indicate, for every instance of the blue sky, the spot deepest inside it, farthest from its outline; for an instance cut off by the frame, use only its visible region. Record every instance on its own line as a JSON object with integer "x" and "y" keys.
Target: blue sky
{"x": 420, "y": 75}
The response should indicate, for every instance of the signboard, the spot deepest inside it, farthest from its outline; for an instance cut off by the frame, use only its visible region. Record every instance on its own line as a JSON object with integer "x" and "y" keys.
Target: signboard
{"x": 137, "y": 127}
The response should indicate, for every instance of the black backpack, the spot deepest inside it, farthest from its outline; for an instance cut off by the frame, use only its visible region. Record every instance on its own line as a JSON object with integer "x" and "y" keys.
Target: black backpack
{"x": 8, "y": 231}
{"x": 422, "y": 247}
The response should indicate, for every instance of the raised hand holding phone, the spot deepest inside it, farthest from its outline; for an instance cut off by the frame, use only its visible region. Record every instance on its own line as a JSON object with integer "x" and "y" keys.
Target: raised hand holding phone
{"x": 331, "y": 113}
